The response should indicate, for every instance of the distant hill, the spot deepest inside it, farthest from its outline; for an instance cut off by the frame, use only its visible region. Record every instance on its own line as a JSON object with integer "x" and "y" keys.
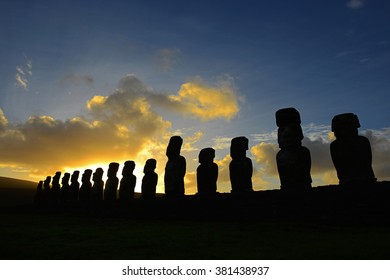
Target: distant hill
{"x": 15, "y": 191}
{"x": 6, "y": 182}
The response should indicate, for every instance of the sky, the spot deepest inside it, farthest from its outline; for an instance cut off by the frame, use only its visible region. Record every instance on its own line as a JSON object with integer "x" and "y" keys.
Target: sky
{"x": 86, "y": 83}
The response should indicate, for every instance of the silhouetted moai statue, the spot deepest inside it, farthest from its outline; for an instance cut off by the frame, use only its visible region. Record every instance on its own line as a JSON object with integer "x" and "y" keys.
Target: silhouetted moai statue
{"x": 128, "y": 181}
{"x": 293, "y": 160}
{"x": 240, "y": 168}
{"x": 65, "y": 189}
{"x": 55, "y": 187}
{"x": 46, "y": 190}
{"x": 74, "y": 186}
{"x": 207, "y": 172}
{"x": 86, "y": 186}
{"x": 112, "y": 182}
{"x": 149, "y": 181}
{"x": 351, "y": 153}
{"x": 38, "y": 194}
{"x": 98, "y": 185}
{"x": 175, "y": 168}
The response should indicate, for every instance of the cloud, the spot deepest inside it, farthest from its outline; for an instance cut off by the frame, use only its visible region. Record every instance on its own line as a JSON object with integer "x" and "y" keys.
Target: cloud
{"x": 115, "y": 127}
{"x": 21, "y": 81}
{"x": 77, "y": 79}
{"x": 190, "y": 181}
{"x": 265, "y": 156}
{"x": 221, "y": 143}
{"x": 166, "y": 59}
{"x": 355, "y": 4}
{"x": 119, "y": 126}
{"x": 380, "y": 146}
{"x": 202, "y": 101}
{"x": 223, "y": 171}
{"x": 23, "y": 73}
{"x": 190, "y": 141}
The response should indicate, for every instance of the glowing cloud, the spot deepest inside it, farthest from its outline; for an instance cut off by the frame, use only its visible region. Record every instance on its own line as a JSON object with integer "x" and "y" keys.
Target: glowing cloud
{"x": 116, "y": 127}
{"x": 200, "y": 100}
{"x": 208, "y": 102}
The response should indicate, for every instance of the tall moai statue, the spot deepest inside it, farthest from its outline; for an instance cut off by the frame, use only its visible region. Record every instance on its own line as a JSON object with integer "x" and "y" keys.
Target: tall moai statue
{"x": 240, "y": 168}
{"x": 74, "y": 186}
{"x": 86, "y": 186}
{"x": 175, "y": 168}
{"x": 149, "y": 181}
{"x": 128, "y": 181}
{"x": 207, "y": 172}
{"x": 112, "y": 182}
{"x": 65, "y": 189}
{"x": 46, "y": 190}
{"x": 351, "y": 153}
{"x": 98, "y": 185}
{"x": 55, "y": 187}
{"x": 293, "y": 160}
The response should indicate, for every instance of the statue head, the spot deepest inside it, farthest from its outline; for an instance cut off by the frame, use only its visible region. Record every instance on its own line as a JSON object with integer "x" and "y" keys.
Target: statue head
{"x": 112, "y": 169}
{"x": 206, "y": 155}
{"x": 150, "y": 165}
{"x": 345, "y": 125}
{"x": 238, "y": 147}
{"x": 174, "y": 146}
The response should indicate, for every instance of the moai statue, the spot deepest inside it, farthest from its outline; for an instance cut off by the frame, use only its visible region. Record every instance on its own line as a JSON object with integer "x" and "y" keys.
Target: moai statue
{"x": 207, "y": 172}
{"x": 175, "y": 168}
{"x": 240, "y": 168}
{"x": 46, "y": 190}
{"x": 98, "y": 184}
{"x": 351, "y": 153}
{"x": 65, "y": 189}
{"x": 128, "y": 181}
{"x": 55, "y": 187}
{"x": 149, "y": 181}
{"x": 86, "y": 186}
{"x": 38, "y": 194}
{"x": 293, "y": 160}
{"x": 112, "y": 182}
{"x": 74, "y": 186}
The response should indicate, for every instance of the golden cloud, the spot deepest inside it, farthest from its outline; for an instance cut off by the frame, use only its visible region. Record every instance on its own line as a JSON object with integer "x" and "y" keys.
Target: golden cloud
{"x": 265, "y": 156}
{"x": 116, "y": 127}
{"x": 200, "y": 100}
{"x": 206, "y": 102}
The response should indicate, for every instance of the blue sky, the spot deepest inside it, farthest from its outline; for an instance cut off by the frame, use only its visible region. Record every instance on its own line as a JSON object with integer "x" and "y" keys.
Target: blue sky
{"x": 243, "y": 59}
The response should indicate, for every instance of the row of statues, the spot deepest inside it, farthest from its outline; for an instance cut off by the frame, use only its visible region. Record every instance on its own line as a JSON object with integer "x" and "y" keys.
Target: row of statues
{"x": 97, "y": 190}
{"x": 350, "y": 152}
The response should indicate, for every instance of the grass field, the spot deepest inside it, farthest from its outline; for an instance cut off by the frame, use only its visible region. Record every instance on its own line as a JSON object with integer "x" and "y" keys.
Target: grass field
{"x": 30, "y": 233}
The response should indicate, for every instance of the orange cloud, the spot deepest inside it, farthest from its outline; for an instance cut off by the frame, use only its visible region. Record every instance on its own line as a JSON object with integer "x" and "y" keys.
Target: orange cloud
{"x": 265, "y": 156}
{"x": 208, "y": 102}
{"x": 115, "y": 128}
{"x": 202, "y": 101}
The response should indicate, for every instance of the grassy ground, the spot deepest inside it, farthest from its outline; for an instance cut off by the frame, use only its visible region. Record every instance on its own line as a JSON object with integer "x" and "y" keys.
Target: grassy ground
{"x": 36, "y": 236}
{"x": 28, "y": 233}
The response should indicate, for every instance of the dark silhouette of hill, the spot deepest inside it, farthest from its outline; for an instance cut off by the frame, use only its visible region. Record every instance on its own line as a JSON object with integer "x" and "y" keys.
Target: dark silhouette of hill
{"x": 16, "y": 192}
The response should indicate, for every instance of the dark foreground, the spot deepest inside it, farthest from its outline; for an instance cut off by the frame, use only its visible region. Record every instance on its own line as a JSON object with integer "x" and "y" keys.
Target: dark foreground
{"x": 325, "y": 223}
